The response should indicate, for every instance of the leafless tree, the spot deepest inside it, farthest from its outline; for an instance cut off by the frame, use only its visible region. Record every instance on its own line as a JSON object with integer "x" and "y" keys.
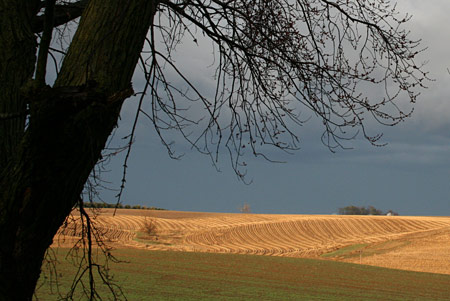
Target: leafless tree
{"x": 245, "y": 208}
{"x": 274, "y": 59}
{"x": 150, "y": 227}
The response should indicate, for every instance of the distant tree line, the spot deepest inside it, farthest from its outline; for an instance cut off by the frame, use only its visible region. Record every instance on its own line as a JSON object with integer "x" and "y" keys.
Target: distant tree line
{"x": 119, "y": 206}
{"x": 353, "y": 210}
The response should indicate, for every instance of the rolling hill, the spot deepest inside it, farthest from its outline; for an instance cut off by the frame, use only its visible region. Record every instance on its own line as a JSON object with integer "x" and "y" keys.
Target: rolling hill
{"x": 410, "y": 243}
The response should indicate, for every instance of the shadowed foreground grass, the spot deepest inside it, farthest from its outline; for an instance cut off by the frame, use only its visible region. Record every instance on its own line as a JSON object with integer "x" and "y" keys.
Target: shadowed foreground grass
{"x": 154, "y": 275}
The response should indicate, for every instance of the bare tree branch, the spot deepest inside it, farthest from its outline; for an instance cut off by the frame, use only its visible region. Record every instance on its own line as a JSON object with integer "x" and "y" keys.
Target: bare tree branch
{"x": 63, "y": 13}
{"x": 279, "y": 60}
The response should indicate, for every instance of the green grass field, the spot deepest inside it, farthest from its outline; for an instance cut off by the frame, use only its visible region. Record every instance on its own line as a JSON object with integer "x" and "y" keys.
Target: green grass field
{"x": 152, "y": 275}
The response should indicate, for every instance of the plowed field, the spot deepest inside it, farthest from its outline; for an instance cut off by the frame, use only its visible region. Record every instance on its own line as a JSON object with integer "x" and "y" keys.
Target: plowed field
{"x": 410, "y": 243}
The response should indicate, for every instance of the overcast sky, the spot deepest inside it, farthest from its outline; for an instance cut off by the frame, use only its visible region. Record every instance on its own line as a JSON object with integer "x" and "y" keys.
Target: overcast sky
{"x": 410, "y": 175}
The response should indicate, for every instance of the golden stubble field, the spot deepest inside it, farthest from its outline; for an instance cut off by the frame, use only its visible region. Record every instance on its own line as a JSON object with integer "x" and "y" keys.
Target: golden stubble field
{"x": 401, "y": 242}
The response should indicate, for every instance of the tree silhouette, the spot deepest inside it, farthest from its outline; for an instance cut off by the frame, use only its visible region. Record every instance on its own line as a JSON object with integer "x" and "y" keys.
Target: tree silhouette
{"x": 245, "y": 208}
{"x": 273, "y": 59}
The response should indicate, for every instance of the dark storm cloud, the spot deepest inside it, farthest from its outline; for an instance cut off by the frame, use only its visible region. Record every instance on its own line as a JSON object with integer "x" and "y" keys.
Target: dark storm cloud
{"x": 410, "y": 174}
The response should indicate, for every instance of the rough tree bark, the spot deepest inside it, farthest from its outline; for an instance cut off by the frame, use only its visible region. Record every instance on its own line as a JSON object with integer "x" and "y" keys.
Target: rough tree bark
{"x": 45, "y": 164}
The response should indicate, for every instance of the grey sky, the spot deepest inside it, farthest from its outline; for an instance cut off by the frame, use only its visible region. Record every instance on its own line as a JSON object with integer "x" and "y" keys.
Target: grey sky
{"x": 409, "y": 175}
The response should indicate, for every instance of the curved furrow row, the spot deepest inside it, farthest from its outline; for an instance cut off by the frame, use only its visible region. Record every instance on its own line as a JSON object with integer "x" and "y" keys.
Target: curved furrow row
{"x": 356, "y": 228}
{"x": 329, "y": 232}
{"x": 261, "y": 238}
{"x": 269, "y": 245}
{"x": 225, "y": 240}
{"x": 239, "y": 242}
{"x": 281, "y": 242}
{"x": 107, "y": 233}
{"x": 364, "y": 230}
{"x": 257, "y": 239}
{"x": 218, "y": 238}
{"x": 118, "y": 235}
{"x": 301, "y": 235}
{"x": 293, "y": 238}
{"x": 171, "y": 224}
{"x": 287, "y": 241}
{"x": 234, "y": 242}
{"x": 200, "y": 239}
{"x": 301, "y": 240}
{"x": 376, "y": 229}
{"x": 417, "y": 225}
{"x": 325, "y": 230}
{"x": 400, "y": 226}
{"x": 281, "y": 235}
{"x": 124, "y": 222}
{"x": 290, "y": 239}
{"x": 251, "y": 238}
{"x": 386, "y": 227}
{"x": 312, "y": 228}
{"x": 305, "y": 237}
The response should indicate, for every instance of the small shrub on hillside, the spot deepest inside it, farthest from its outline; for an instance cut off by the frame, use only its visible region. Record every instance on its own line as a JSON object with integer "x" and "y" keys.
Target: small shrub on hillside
{"x": 149, "y": 227}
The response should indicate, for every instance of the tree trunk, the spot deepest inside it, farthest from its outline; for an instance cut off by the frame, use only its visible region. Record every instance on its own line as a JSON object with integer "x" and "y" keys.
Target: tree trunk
{"x": 17, "y": 59}
{"x": 68, "y": 127}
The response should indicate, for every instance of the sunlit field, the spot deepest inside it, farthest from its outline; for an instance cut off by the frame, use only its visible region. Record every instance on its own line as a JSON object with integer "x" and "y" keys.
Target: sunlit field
{"x": 171, "y": 255}
{"x": 411, "y": 243}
